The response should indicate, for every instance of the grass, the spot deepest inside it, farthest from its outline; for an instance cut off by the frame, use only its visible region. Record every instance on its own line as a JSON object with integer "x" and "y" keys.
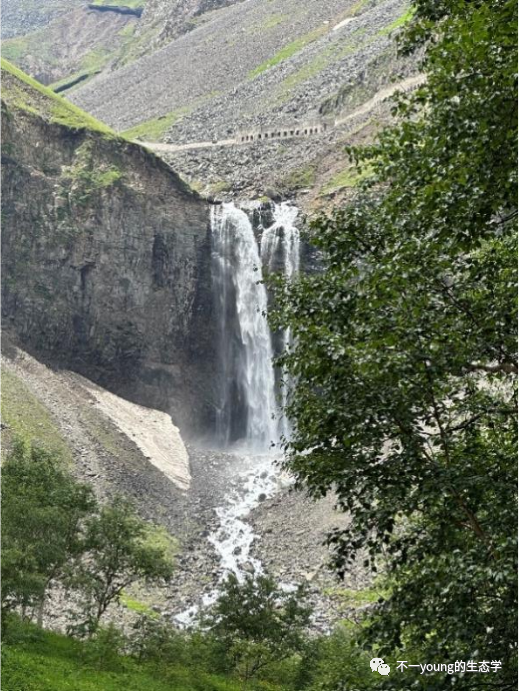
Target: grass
{"x": 16, "y": 48}
{"x": 137, "y": 606}
{"x": 27, "y": 417}
{"x": 352, "y": 45}
{"x": 127, "y": 31}
{"x": 357, "y": 8}
{"x": 134, "y": 46}
{"x": 88, "y": 175}
{"x": 289, "y": 50}
{"x": 398, "y": 23}
{"x": 92, "y": 63}
{"x": 349, "y": 177}
{"x": 356, "y": 598}
{"x": 354, "y": 11}
{"x": 159, "y": 538}
{"x": 26, "y": 93}
{"x": 348, "y": 599}
{"x": 269, "y": 23}
{"x": 86, "y": 170}
{"x": 301, "y": 178}
{"x": 274, "y": 20}
{"x": 41, "y": 45}
{"x": 153, "y": 130}
{"x": 311, "y": 69}
{"x": 220, "y": 186}
{"x": 70, "y": 78}
{"x": 36, "y": 660}
{"x": 95, "y": 60}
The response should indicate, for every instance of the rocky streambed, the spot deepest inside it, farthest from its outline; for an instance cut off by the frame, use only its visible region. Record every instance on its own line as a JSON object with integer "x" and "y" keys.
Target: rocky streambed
{"x": 250, "y": 520}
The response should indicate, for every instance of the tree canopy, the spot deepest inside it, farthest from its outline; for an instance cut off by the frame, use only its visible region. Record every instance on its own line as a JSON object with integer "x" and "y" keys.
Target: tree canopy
{"x": 404, "y": 349}
{"x": 54, "y": 533}
{"x": 43, "y": 508}
{"x": 258, "y": 623}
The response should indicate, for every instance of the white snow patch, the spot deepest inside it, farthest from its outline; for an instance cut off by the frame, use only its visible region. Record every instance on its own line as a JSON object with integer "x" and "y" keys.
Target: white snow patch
{"x": 151, "y": 430}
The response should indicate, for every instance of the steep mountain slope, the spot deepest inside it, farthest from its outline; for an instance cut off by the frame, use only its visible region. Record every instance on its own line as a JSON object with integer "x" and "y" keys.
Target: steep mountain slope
{"x": 335, "y": 88}
{"x": 71, "y": 41}
{"x": 253, "y": 71}
{"x": 74, "y": 46}
{"x": 172, "y": 18}
{"x": 212, "y": 78}
{"x": 238, "y": 50}
{"x": 106, "y": 256}
{"x": 22, "y": 16}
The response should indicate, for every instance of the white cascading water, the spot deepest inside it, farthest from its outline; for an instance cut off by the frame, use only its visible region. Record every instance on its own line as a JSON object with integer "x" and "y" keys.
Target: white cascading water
{"x": 282, "y": 238}
{"x": 280, "y": 250}
{"x": 248, "y": 375}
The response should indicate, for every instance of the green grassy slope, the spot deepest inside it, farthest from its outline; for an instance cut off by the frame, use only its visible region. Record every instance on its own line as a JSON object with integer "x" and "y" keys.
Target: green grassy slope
{"x": 25, "y": 93}
{"x": 27, "y": 417}
{"x": 36, "y": 660}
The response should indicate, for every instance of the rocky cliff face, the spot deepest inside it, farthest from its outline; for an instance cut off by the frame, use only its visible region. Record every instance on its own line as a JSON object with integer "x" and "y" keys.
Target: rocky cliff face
{"x": 106, "y": 258}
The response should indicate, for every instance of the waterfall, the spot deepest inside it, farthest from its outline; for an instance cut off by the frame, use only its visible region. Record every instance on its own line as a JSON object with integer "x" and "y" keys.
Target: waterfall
{"x": 248, "y": 408}
{"x": 280, "y": 251}
{"x": 280, "y": 243}
{"x": 248, "y": 412}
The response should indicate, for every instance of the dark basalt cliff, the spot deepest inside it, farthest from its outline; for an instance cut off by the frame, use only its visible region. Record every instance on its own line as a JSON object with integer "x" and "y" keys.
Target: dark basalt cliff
{"x": 106, "y": 261}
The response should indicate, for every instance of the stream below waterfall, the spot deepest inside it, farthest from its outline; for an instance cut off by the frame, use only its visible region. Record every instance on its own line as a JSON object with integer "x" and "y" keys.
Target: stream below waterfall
{"x": 250, "y": 421}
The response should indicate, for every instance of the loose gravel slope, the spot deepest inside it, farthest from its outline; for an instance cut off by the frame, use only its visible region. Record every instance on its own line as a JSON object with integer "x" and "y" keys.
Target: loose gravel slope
{"x": 237, "y": 48}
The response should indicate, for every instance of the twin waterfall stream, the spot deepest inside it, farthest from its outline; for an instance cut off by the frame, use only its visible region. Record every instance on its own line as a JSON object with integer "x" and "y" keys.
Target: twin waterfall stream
{"x": 249, "y": 419}
{"x": 249, "y": 409}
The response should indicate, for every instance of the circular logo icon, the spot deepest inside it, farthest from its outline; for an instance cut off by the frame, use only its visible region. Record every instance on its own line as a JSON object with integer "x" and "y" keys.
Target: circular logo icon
{"x": 384, "y": 669}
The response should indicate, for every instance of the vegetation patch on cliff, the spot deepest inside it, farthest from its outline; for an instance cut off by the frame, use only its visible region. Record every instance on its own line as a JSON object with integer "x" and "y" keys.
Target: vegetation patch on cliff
{"x": 86, "y": 176}
{"x": 399, "y": 22}
{"x": 153, "y": 130}
{"x": 350, "y": 177}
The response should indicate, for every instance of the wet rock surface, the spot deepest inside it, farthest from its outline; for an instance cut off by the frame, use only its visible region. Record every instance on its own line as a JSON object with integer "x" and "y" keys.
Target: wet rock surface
{"x": 289, "y": 528}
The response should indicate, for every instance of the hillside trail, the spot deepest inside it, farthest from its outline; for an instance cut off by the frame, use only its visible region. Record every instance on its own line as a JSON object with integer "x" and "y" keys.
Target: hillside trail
{"x": 405, "y": 85}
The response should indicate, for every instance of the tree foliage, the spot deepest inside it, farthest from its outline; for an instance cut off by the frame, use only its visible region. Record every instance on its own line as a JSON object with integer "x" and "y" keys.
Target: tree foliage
{"x": 43, "y": 509}
{"x": 257, "y": 623}
{"x": 117, "y": 554}
{"x": 54, "y": 533}
{"x": 405, "y": 349}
